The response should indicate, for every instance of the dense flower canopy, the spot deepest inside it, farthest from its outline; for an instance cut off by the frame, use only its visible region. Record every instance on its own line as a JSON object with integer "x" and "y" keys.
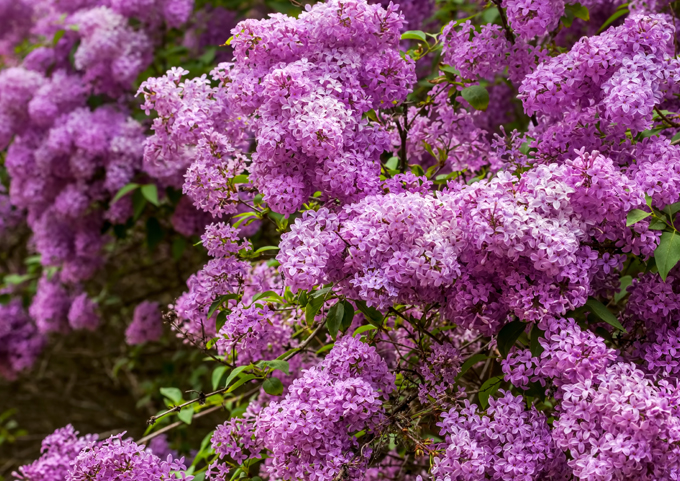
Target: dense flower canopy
{"x": 359, "y": 240}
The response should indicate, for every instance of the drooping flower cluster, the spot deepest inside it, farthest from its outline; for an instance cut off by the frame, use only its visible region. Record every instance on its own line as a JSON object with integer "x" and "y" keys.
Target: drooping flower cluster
{"x": 20, "y": 342}
{"x": 58, "y": 451}
{"x": 118, "y": 459}
{"x": 313, "y": 427}
{"x": 625, "y": 71}
{"x": 222, "y": 275}
{"x": 506, "y": 243}
{"x": 146, "y": 325}
{"x": 306, "y": 97}
{"x": 507, "y": 443}
{"x": 620, "y": 425}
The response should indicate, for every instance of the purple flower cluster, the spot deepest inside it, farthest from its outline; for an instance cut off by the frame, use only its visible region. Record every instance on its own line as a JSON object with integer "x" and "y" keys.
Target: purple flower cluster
{"x": 626, "y": 71}
{"x": 224, "y": 274}
{"x": 506, "y": 443}
{"x": 58, "y": 452}
{"x": 620, "y": 425}
{"x": 146, "y": 325}
{"x": 507, "y": 243}
{"x": 306, "y": 95}
{"x": 118, "y": 459}
{"x": 313, "y": 428}
{"x": 20, "y": 342}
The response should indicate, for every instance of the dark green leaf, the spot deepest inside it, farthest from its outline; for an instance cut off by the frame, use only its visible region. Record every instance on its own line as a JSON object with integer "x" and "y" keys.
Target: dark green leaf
{"x": 138, "y": 204}
{"x": 613, "y": 18}
{"x": 601, "y": 311}
{"x": 414, "y": 35}
{"x": 509, "y": 335}
{"x": 372, "y": 314}
{"x": 124, "y": 190}
{"x": 154, "y": 233}
{"x": 471, "y": 361}
{"x": 635, "y": 216}
{"x": 488, "y": 389}
{"x": 220, "y": 320}
{"x": 150, "y": 192}
{"x": 334, "y": 319}
{"x": 273, "y": 386}
{"x": 667, "y": 254}
{"x": 347, "y": 316}
{"x": 172, "y": 393}
{"x": 179, "y": 244}
{"x": 535, "y": 346}
{"x": 477, "y": 96}
{"x": 313, "y": 307}
{"x": 657, "y": 224}
{"x": 219, "y": 301}
{"x": 625, "y": 282}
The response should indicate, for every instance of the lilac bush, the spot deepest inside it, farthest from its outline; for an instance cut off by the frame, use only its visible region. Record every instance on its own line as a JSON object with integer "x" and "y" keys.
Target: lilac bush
{"x": 408, "y": 241}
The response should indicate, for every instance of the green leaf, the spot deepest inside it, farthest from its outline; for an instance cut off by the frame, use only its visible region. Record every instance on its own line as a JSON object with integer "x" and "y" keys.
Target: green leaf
{"x": 471, "y": 361}
{"x": 138, "y": 204}
{"x": 477, "y": 96}
{"x": 362, "y": 329}
{"x": 347, "y": 316}
{"x": 601, "y": 311}
{"x": 675, "y": 139}
{"x": 237, "y": 370}
{"x": 671, "y": 209}
{"x": 657, "y": 224}
{"x": 313, "y": 307}
{"x": 268, "y": 294}
{"x": 534, "y": 346}
{"x": 124, "y": 190}
{"x": 217, "y": 376}
{"x": 635, "y": 216}
{"x": 219, "y": 301}
{"x": 150, "y": 192}
{"x": 16, "y": 278}
{"x": 488, "y": 389}
{"x": 154, "y": 233}
{"x": 278, "y": 364}
{"x": 325, "y": 348}
{"x": 5, "y": 298}
{"x": 334, "y": 319}
{"x": 372, "y": 314}
{"x": 242, "y": 380}
{"x": 414, "y": 35}
{"x": 58, "y": 36}
{"x": 579, "y": 11}
{"x": 667, "y": 254}
{"x": 240, "y": 179}
{"x": 172, "y": 393}
{"x": 273, "y": 386}
{"x": 266, "y": 248}
{"x": 186, "y": 415}
{"x": 179, "y": 244}
{"x": 392, "y": 163}
{"x": 508, "y": 335}
{"x": 625, "y": 282}
{"x": 612, "y": 19}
